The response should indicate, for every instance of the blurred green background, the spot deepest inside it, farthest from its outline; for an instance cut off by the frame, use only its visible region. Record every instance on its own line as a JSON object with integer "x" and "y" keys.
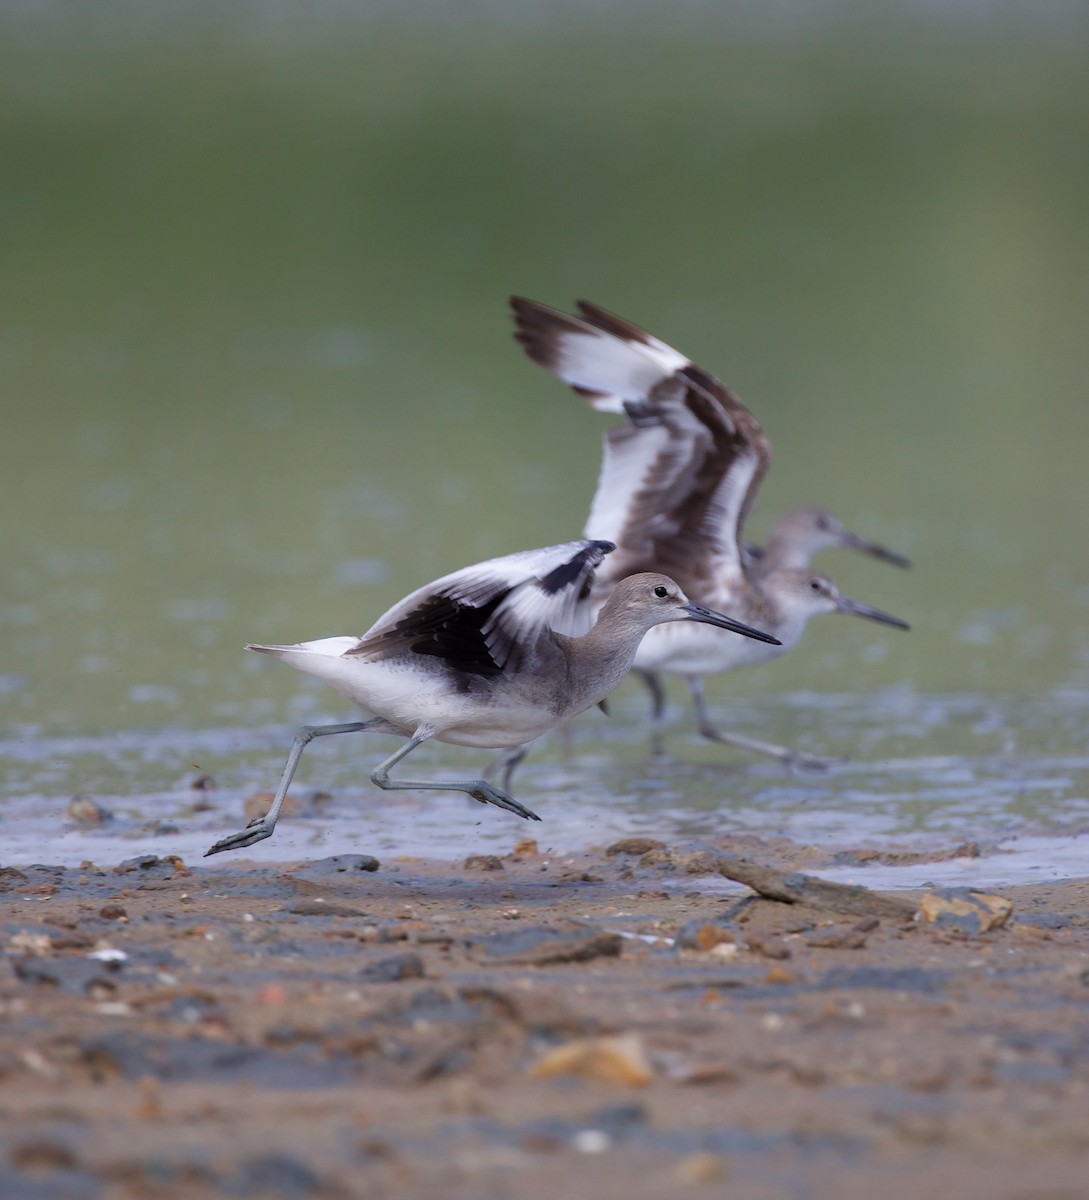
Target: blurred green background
{"x": 256, "y": 368}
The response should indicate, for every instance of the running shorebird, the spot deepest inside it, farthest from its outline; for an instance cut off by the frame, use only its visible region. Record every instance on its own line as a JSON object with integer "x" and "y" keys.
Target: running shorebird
{"x": 492, "y": 655}
{"x": 676, "y": 484}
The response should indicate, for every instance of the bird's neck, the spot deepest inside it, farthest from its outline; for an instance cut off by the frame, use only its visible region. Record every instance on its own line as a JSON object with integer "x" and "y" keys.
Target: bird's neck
{"x": 782, "y": 552}
{"x": 598, "y": 661}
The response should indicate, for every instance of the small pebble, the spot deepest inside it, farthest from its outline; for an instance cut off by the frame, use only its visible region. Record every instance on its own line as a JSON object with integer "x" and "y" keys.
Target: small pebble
{"x": 621, "y": 1060}
{"x": 701, "y": 1168}
{"x": 591, "y": 1141}
{"x": 634, "y": 845}
{"x": 483, "y": 862}
{"x": 769, "y": 945}
{"x": 86, "y": 811}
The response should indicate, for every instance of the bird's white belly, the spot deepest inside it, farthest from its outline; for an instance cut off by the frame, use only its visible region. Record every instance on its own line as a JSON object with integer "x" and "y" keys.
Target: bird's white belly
{"x": 410, "y": 693}
{"x": 689, "y": 648}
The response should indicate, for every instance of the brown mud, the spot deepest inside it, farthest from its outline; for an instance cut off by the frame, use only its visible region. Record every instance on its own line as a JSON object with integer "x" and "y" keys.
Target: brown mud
{"x": 528, "y": 1027}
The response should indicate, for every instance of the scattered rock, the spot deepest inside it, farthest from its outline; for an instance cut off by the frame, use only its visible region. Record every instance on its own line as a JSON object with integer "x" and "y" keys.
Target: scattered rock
{"x": 660, "y": 857}
{"x": 702, "y": 935}
{"x": 699, "y": 862}
{"x": 317, "y": 907}
{"x": 620, "y": 1060}
{"x": 393, "y": 968}
{"x": 795, "y": 887}
{"x": 152, "y": 865}
{"x": 41, "y": 1154}
{"x": 79, "y": 975}
{"x": 341, "y": 864}
{"x": 11, "y": 878}
{"x": 113, "y": 912}
{"x": 964, "y": 910}
{"x": 634, "y": 845}
{"x": 770, "y": 945}
{"x": 85, "y": 811}
{"x": 838, "y": 938}
{"x": 539, "y": 945}
{"x": 526, "y": 848}
{"x": 483, "y": 862}
{"x": 701, "y": 1168}
{"x": 780, "y": 975}
{"x": 574, "y": 875}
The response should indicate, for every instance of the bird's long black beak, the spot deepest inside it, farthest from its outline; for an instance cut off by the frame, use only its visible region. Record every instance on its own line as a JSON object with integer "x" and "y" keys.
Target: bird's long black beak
{"x": 852, "y": 542}
{"x": 871, "y": 614}
{"x": 696, "y": 612}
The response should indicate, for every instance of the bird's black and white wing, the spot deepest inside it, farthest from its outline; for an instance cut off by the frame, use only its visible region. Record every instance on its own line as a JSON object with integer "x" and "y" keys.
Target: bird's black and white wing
{"x": 678, "y": 480}
{"x": 483, "y": 618}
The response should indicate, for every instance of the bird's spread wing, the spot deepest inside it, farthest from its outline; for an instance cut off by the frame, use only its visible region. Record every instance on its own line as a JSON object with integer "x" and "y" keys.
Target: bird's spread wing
{"x": 678, "y": 480}
{"x": 482, "y": 619}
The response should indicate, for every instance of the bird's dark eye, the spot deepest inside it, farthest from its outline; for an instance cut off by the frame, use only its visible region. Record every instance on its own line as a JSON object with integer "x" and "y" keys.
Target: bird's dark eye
{"x": 661, "y": 592}
{"x": 815, "y": 585}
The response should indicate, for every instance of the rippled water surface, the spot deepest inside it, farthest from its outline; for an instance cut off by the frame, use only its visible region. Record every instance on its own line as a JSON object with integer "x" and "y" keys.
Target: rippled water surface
{"x": 258, "y": 383}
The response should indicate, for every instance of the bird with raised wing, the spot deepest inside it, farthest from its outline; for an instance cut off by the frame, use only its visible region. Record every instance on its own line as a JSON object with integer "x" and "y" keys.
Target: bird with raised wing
{"x": 676, "y": 484}
{"x": 493, "y": 655}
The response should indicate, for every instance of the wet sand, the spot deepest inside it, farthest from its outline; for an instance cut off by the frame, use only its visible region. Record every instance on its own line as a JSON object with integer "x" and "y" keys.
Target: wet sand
{"x": 601, "y": 1025}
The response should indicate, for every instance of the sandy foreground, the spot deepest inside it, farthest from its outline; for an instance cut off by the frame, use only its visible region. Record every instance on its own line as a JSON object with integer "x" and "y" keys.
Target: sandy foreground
{"x": 602, "y": 1025}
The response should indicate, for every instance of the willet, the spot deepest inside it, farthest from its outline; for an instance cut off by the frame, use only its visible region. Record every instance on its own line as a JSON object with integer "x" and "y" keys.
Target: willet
{"x": 676, "y": 484}
{"x": 492, "y": 655}
{"x": 803, "y": 533}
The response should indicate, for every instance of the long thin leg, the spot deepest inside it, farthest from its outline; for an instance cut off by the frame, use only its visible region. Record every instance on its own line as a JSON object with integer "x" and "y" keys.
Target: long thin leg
{"x": 788, "y": 757}
{"x": 507, "y": 763}
{"x": 261, "y": 827}
{"x": 479, "y": 789}
{"x": 653, "y": 682}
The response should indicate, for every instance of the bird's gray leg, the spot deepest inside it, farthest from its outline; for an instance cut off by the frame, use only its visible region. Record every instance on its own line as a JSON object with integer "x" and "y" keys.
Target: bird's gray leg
{"x": 507, "y": 762}
{"x": 261, "y": 827}
{"x": 788, "y": 757}
{"x": 479, "y": 789}
{"x": 653, "y": 682}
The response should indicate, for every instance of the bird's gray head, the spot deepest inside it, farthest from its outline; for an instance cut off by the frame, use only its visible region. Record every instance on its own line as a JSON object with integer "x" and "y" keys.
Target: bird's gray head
{"x": 818, "y": 529}
{"x": 650, "y": 599}
{"x": 804, "y": 594}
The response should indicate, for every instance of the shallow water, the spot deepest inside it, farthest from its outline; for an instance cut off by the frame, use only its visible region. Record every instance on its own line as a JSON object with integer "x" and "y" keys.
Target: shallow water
{"x": 262, "y": 385}
{"x": 984, "y": 779}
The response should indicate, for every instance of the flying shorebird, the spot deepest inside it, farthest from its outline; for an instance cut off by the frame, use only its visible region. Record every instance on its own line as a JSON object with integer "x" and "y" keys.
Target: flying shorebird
{"x": 493, "y": 655}
{"x": 677, "y": 482}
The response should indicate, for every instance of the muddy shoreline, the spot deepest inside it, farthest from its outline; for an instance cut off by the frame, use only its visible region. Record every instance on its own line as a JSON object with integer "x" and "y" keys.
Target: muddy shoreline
{"x": 602, "y": 1024}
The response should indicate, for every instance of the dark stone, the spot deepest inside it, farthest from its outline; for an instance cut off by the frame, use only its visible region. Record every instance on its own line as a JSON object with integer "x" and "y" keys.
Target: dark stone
{"x": 79, "y": 975}
{"x": 539, "y": 945}
{"x": 702, "y": 934}
{"x": 342, "y": 864}
{"x": 151, "y": 866}
{"x": 393, "y": 968}
{"x": 634, "y": 845}
{"x": 890, "y": 979}
{"x": 274, "y": 1175}
{"x": 321, "y": 908}
{"x": 483, "y": 862}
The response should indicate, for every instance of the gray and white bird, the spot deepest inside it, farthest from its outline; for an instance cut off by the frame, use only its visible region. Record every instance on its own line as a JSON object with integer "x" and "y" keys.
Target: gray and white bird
{"x": 677, "y": 481}
{"x": 493, "y": 655}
